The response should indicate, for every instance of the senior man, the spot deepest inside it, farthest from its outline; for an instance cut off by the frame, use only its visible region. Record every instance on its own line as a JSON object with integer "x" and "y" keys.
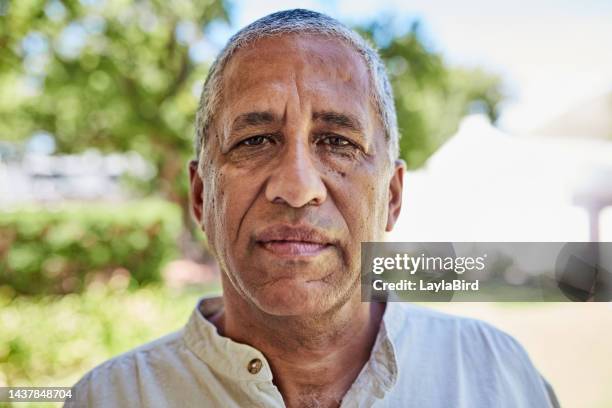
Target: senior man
{"x": 296, "y": 166}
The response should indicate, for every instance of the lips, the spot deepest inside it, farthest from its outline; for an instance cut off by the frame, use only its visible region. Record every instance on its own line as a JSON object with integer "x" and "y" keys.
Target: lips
{"x": 297, "y": 248}
{"x": 292, "y": 241}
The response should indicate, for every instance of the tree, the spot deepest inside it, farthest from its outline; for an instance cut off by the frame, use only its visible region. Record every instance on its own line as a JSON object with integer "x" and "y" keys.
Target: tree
{"x": 430, "y": 97}
{"x": 122, "y": 75}
{"x": 113, "y": 74}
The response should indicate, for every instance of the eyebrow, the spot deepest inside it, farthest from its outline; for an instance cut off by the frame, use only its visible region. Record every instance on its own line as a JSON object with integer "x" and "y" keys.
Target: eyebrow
{"x": 252, "y": 119}
{"x": 338, "y": 120}
{"x": 335, "y": 119}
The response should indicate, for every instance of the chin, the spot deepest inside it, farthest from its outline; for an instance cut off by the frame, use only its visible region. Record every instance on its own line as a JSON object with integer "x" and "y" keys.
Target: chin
{"x": 293, "y": 297}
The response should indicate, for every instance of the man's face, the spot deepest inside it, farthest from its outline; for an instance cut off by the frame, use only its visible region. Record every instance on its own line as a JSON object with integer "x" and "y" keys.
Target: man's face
{"x": 296, "y": 174}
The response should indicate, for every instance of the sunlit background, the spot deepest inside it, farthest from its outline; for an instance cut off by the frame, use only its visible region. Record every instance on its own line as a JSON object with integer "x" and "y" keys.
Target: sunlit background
{"x": 505, "y": 110}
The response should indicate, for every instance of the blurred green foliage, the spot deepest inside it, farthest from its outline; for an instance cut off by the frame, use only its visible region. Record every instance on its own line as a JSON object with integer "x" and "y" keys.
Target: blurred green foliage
{"x": 46, "y": 250}
{"x": 114, "y": 74}
{"x": 430, "y": 96}
{"x": 118, "y": 75}
{"x": 53, "y": 341}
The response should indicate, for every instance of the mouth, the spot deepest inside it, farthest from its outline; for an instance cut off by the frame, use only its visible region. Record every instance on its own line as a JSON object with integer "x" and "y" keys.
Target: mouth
{"x": 293, "y": 241}
{"x": 294, "y": 248}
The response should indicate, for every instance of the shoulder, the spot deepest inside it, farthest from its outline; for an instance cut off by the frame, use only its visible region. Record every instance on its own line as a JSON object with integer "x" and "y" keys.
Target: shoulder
{"x": 120, "y": 377}
{"x": 449, "y": 328}
{"x": 463, "y": 350}
{"x": 147, "y": 353}
{"x": 455, "y": 342}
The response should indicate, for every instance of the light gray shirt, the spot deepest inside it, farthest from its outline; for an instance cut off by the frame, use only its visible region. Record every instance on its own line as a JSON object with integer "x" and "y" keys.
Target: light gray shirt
{"x": 421, "y": 359}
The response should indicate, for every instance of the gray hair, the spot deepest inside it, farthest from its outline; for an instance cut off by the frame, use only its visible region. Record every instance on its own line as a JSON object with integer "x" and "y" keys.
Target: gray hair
{"x": 299, "y": 21}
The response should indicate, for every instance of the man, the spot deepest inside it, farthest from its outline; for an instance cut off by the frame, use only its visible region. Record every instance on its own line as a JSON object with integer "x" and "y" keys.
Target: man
{"x": 296, "y": 166}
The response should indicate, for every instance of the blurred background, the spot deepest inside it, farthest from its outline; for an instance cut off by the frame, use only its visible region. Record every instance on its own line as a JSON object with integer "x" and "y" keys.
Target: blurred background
{"x": 505, "y": 110}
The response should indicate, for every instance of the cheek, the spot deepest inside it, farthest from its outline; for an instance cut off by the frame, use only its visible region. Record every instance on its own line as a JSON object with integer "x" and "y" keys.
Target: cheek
{"x": 231, "y": 194}
{"x": 367, "y": 214}
{"x": 361, "y": 197}
{"x": 211, "y": 222}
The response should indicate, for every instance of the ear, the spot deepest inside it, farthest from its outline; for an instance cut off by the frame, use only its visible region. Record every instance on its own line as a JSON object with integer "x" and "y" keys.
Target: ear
{"x": 196, "y": 187}
{"x": 396, "y": 186}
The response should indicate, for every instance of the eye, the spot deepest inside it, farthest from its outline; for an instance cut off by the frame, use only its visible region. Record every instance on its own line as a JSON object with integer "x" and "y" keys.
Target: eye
{"x": 335, "y": 140}
{"x": 256, "y": 140}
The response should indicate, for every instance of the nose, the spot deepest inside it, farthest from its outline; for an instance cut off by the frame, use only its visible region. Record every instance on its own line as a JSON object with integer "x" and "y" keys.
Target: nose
{"x": 296, "y": 181}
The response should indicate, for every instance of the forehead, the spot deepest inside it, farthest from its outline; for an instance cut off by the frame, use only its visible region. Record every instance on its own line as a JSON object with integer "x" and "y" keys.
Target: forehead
{"x": 325, "y": 72}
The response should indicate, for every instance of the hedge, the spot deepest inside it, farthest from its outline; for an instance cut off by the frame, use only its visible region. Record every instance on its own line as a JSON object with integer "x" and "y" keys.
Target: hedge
{"x": 52, "y": 340}
{"x": 66, "y": 249}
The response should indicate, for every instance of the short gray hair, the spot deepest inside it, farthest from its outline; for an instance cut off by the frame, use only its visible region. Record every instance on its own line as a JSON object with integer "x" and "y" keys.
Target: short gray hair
{"x": 290, "y": 22}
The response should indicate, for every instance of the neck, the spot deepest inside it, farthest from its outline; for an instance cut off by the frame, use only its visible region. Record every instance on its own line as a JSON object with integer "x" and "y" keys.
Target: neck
{"x": 314, "y": 359}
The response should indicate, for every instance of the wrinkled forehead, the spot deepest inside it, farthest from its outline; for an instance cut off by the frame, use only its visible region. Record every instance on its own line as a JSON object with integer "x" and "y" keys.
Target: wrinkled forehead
{"x": 330, "y": 72}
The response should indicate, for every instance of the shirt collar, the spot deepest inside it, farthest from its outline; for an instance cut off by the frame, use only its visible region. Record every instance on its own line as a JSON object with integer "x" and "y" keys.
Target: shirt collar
{"x": 231, "y": 358}
{"x": 220, "y": 353}
{"x": 383, "y": 359}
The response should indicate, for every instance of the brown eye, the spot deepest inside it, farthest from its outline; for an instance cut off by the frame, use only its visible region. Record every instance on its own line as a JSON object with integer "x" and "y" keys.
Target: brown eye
{"x": 256, "y": 140}
{"x": 335, "y": 141}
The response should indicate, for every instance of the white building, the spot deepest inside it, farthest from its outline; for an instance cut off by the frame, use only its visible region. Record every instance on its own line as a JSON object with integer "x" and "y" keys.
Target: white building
{"x": 485, "y": 185}
{"x": 41, "y": 177}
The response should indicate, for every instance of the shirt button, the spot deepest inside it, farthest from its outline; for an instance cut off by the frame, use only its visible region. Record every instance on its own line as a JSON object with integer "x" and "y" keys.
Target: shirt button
{"x": 254, "y": 366}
